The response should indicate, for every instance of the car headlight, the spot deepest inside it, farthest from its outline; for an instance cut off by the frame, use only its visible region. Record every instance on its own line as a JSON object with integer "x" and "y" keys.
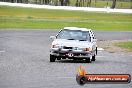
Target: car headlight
{"x": 55, "y": 46}
{"x": 87, "y": 49}
{"x": 83, "y": 49}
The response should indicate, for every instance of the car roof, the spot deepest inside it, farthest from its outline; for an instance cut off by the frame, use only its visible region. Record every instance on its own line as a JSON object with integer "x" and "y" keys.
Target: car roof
{"x": 76, "y": 28}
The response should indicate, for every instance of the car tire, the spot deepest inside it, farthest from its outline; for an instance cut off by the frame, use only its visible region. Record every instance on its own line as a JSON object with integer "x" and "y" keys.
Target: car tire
{"x": 58, "y": 58}
{"x": 88, "y": 60}
{"x": 93, "y": 58}
{"x": 52, "y": 58}
{"x": 96, "y": 50}
{"x": 63, "y": 57}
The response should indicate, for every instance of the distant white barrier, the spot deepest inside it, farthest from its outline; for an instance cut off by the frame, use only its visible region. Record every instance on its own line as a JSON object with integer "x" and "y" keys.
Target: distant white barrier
{"x": 108, "y": 9}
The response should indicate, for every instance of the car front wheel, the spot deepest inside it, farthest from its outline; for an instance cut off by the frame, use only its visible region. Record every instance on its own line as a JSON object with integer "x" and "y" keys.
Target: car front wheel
{"x": 93, "y": 58}
{"x": 58, "y": 58}
{"x": 88, "y": 60}
{"x": 52, "y": 58}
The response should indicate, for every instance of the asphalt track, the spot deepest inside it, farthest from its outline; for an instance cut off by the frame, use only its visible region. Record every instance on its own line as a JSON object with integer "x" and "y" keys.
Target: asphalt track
{"x": 24, "y": 61}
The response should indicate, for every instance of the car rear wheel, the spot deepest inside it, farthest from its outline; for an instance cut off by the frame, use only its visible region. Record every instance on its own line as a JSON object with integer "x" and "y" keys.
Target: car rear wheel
{"x": 52, "y": 58}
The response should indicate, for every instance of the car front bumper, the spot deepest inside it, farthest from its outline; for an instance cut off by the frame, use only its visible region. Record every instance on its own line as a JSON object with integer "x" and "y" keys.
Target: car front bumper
{"x": 67, "y": 53}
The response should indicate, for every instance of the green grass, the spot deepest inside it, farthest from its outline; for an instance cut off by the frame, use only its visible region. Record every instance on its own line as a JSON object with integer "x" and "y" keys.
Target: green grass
{"x": 16, "y": 17}
{"x": 125, "y": 45}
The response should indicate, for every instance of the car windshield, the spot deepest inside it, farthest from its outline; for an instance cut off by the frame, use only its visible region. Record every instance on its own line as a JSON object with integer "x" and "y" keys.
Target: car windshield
{"x": 74, "y": 35}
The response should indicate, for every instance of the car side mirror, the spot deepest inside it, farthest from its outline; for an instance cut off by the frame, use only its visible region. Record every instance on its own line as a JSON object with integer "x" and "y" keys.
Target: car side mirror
{"x": 52, "y": 37}
{"x": 94, "y": 40}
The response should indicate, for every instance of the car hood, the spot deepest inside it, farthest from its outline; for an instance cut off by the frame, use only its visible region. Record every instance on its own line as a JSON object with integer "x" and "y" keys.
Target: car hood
{"x": 72, "y": 43}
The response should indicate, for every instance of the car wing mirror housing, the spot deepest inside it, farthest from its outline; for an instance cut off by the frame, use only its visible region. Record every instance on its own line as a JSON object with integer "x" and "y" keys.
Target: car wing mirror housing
{"x": 52, "y": 37}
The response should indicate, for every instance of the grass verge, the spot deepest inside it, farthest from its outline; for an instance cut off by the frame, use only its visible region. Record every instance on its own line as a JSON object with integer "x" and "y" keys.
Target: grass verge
{"x": 125, "y": 45}
{"x": 29, "y": 18}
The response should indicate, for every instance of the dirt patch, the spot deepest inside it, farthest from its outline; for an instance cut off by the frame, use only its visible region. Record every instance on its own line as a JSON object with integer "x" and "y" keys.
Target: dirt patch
{"x": 110, "y": 47}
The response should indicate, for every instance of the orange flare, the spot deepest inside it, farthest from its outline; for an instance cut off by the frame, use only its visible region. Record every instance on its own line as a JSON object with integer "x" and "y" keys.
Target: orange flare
{"x": 81, "y": 71}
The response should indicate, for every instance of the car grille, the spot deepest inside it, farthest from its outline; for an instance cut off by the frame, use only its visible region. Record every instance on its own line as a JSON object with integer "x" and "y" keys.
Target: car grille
{"x": 67, "y": 47}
